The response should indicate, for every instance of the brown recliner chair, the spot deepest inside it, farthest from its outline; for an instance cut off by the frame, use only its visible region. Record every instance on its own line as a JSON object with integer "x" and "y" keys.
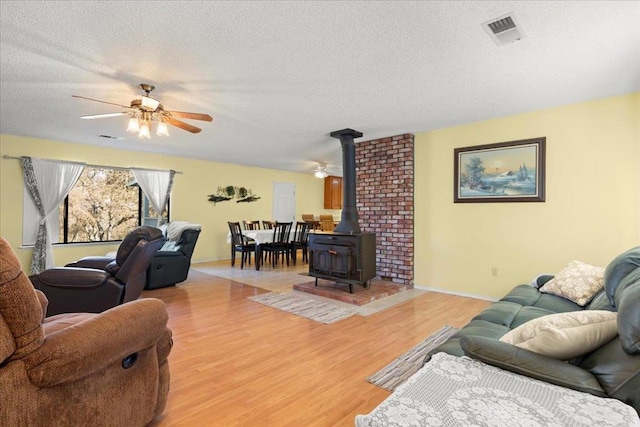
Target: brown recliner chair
{"x": 96, "y": 284}
{"x": 81, "y": 369}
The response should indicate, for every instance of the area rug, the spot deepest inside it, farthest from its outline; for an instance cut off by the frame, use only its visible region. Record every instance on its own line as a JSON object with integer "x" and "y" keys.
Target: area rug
{"x": 398, "y": 371}
{"x": 305, "y": 307}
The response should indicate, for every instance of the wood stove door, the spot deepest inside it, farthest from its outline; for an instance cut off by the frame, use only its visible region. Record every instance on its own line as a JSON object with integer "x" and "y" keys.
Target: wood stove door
{"x": 336, "y": 261}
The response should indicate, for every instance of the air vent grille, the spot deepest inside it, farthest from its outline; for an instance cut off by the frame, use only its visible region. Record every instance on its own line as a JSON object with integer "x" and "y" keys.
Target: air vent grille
{"x": 502, "y": 25}
{"x": 504, "y": 29}
{"x": 109, "y": 136}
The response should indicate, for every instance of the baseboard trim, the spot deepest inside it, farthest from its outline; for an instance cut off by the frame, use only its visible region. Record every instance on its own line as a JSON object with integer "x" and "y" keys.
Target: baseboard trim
{"x": 450, "y": 292}
{"x": 202, "y": 261}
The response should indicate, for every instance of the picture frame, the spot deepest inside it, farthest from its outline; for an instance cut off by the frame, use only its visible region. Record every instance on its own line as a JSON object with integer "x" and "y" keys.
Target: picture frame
{"x": 512, "y": 171}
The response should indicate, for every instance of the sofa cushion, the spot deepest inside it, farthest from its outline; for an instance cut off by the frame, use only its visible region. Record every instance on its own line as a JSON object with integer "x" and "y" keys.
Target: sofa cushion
{"x": 617, "y": 371}
{"x": 530, "y": 364}
{"x": 565, "y": 335}
{"x": 475, "y": 328}
{"x": 500, "y": 313}
{"x": 632, "y": 279}
{"x": 600, "y": 302}
{"x": 527, "y": 314}
{"x": 577, "y": 282}
{"x": 629, "y": 318}
{"x": 618, "y": 269}
{"x": 523, "y": 295}
{"x": 527, "y": 295}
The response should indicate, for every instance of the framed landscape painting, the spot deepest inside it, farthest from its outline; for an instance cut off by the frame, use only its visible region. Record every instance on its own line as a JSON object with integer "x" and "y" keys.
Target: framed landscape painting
{"x": 503, "y": 172}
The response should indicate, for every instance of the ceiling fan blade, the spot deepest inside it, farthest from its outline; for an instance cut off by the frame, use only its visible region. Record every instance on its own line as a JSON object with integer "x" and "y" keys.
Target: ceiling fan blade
{"x": 101, "y": 116}
{"x": 194, "y": 116}
{"x": 104, "y": 102}
{"x": 182, "y": 125}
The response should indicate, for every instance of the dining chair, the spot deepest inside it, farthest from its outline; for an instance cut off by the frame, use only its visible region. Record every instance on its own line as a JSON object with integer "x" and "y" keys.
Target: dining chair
{"x": 251, "y": 225}
{"x": 279, "y": 246}
{"x": 268, "y": 225}
{"x": 314, "y": 225}
{"x": 326, "y": 222}
{"x": 301, "y": 241}
{"x": 310, "y": 218}
{"x": 239, "y": 243}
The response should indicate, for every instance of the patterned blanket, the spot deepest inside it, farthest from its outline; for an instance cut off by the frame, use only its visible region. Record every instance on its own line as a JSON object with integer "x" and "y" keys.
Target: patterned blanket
{"x": 459, "y": 391}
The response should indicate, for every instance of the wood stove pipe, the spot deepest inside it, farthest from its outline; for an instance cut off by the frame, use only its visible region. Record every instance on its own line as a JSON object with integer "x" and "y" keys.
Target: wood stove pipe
{"x": 349, "y": 218}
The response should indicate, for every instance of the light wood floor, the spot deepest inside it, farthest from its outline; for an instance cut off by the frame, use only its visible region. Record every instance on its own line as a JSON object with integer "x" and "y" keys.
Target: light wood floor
{"x": 239, "y": 363}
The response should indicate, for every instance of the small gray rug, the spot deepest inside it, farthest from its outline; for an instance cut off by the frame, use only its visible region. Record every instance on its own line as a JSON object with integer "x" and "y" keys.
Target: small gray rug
{"x": 398, "y": 371}
{"x": 305, "y": 307}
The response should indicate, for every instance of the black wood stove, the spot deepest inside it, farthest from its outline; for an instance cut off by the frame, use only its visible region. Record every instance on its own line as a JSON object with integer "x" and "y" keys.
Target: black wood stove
{"x": 345, "y": 255}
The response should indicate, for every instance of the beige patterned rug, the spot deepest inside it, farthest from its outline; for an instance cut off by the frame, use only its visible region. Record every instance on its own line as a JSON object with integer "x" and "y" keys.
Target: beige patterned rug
{"x": 318, "y": 311}
{"x": 398, "y": 371}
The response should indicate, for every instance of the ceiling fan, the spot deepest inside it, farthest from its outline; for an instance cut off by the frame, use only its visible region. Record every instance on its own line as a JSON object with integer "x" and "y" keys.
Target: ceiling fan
{"x": 147, "y": 110}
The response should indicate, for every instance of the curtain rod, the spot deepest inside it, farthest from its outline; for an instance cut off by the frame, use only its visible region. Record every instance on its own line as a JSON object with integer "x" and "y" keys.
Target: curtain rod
{"x": 92, "y": 166}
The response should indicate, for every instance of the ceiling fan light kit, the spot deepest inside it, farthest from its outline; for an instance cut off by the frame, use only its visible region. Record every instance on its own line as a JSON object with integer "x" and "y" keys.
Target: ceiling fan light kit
{"x": 144, "y": 131}
{"x": 163, "y": 130}
{"x": 140, "y": 123}
{"x": 147, "y": 110}
{"x": 321, "y": 171}
{"x": 134, "y": 125}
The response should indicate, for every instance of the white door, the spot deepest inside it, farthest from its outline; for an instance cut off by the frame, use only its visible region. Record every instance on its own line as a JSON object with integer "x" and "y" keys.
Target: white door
{"x": 284, "y": 201}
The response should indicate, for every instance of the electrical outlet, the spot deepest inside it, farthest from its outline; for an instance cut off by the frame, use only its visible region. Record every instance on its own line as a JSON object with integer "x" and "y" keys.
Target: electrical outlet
{"x": 494, "y": 271}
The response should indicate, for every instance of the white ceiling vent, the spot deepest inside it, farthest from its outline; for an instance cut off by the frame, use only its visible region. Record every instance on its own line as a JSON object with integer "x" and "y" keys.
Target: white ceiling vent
{"x": 504, "y": 29}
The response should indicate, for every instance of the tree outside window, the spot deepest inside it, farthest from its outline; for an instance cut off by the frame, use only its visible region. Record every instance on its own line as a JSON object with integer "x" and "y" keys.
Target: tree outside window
{"x": 105, "y": 205}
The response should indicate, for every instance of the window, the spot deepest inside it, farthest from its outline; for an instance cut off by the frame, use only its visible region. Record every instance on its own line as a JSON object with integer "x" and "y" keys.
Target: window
{"x": 103, "y": 206}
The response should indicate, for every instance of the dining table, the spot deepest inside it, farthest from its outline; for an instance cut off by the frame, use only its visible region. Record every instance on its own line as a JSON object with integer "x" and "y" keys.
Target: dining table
{"x": 260, "y": 237}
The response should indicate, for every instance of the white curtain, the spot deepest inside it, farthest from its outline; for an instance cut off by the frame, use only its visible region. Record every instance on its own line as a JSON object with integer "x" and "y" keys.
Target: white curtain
{"x": 156, "y": 185}
{"x": 48, "y": 182}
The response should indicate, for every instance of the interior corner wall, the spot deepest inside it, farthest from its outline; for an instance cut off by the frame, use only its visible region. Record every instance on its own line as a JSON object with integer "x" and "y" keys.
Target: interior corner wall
{"x": 591, "y": 212}
{"x": 188, "y": 197}
{"x": 384, "y": 199}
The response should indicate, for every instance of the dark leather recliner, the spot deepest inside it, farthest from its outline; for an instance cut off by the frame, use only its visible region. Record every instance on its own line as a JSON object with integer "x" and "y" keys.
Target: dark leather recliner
{"x": 96, "y": 284}
{"x": 170, "y": 267}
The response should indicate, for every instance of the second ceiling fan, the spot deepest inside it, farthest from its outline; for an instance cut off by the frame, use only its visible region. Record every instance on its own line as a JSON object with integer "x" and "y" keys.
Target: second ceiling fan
{"x": 147, "y": 110}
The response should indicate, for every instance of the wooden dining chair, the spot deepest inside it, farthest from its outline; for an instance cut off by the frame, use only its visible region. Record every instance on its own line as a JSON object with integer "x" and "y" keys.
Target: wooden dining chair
{"x": 310, "y": 218}
{"x": 239, "y": 243}
{"x": 314, "y": 225}
{"x": 268, "y": 225}
{"x": 279, "y": 246}
{"x": 326, "y": 222}
{"x": 301, "y": 241}
{"x": 251, "y": 225}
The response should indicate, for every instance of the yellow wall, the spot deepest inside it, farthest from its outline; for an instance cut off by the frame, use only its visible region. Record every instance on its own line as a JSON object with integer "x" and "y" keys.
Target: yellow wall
{"x": 591, "y": 213}
{"x": 188, "y": 198}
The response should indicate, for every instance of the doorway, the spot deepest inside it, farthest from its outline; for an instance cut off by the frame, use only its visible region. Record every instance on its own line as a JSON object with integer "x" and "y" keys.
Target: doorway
{"x": 284, "y": 201}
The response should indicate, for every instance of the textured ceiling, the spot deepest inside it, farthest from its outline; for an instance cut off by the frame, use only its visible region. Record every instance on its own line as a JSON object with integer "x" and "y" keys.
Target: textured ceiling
{"x": 279, "y": 76}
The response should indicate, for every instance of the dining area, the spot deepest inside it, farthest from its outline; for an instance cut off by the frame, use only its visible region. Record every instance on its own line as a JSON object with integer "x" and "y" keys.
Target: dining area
{"x": 274, "y": 242}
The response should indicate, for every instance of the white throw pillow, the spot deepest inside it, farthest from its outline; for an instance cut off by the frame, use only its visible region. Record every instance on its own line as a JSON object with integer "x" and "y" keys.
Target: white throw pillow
{"x": 565, "y": 335}
{"x": 577, "y": 282}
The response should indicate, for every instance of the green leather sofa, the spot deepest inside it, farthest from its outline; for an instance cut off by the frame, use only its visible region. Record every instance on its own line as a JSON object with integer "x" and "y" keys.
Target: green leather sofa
{"x": 613, "y": 370}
